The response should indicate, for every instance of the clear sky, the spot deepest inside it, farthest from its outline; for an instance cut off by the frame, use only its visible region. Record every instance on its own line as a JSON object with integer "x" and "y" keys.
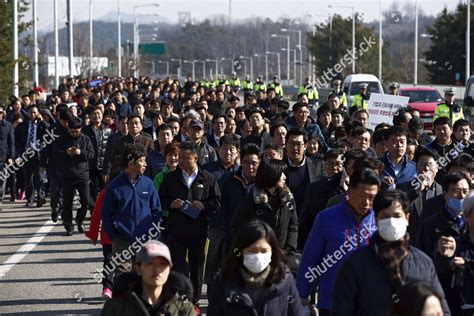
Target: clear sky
{"x": 240, "y": 8}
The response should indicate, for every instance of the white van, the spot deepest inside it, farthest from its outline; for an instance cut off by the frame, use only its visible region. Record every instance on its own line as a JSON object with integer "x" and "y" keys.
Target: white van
{"x": 469, "y": 99}
{"x": 352, "y": 82}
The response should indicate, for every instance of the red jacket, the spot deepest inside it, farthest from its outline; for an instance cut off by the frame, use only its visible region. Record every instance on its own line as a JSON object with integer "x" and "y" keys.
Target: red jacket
{"x": 94, "y": 226}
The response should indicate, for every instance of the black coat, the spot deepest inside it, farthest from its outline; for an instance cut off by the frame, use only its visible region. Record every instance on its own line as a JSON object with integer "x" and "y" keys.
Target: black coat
{"x": 316, "y": 198}
{"x": 7, "y": 141}
{"x": 97, "y": 162}
{"x": 204, "y": 189}
{"x": 283, "y": 219}
{"x": 281, "y": 299}
{"x": 49, "y": 157}
{"x": 77, "y": 166}
{"x": 429, "y": 208}
{"x": 433, "y": 228}
{"x": 363, "y": 285}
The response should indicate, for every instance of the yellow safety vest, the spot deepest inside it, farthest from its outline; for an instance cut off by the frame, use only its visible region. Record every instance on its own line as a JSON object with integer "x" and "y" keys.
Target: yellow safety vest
{"x": 359, "y": 101}
{"x": 247, "y": 85}
{"x": 311, "y": 91}
{"x": 278, "y": 89}
{"x": 443, "y": 110}
{"x": 260, "y": 86}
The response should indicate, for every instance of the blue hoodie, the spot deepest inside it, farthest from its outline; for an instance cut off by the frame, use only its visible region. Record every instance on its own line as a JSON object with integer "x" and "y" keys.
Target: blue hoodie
{"x": 130, "y": 211}
{"x": 332, "y": 238}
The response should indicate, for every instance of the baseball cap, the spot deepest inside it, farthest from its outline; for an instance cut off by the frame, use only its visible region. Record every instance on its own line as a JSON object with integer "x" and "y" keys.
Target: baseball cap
{"x": 196, "y": 123}
{"x": 153, "y": 249}
{"x": 415, "y": 124}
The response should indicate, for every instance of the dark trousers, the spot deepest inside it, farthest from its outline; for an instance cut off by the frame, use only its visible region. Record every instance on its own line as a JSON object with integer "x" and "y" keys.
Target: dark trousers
{"x": 324, "y": 312}
{"x": 32, "y": 179}
{"x": 56, "y": 191}
{"x": 96, "y": 184}
{"x": 69, "y": 187}
{"x": 107, "y": 276}
{"x": 194, "y": 248}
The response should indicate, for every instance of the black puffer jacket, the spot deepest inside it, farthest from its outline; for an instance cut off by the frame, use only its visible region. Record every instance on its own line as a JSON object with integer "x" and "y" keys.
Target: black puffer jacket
{"x": 231, "y": 299}
{"x": 283, "y": 219}
{"x": 363, "y": 286}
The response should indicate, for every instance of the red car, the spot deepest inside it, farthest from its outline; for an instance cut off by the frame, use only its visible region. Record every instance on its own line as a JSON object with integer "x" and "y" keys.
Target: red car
{"x": 425, "y": 100}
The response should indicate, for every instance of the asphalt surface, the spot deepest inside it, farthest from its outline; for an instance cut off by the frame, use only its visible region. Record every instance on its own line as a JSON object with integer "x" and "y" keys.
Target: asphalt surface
{"x": 56, "y": 276}
{"x": 44, "y": 272}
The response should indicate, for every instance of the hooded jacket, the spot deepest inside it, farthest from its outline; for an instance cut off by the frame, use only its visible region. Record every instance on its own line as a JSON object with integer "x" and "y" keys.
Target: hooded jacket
{"x": 127, "y": 301}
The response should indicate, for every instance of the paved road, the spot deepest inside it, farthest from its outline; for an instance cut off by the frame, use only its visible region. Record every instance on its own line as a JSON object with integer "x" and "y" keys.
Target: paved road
{"x": 43, "y": 272}
{"x": 56, "y": 276}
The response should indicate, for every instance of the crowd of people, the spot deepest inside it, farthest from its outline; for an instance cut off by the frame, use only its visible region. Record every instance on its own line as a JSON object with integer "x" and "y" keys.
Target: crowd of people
{"x": 278, "y": 208}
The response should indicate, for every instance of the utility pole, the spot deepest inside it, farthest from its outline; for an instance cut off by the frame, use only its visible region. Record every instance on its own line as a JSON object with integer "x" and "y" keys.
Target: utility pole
{"x": 35, "y": 43}
{"x": 71, "y": 47}
{"x": 119, "y": 41}
{"x": 16, "y": 91}
{"x": 90, "y": 38}
{"x": 56, "y": 46}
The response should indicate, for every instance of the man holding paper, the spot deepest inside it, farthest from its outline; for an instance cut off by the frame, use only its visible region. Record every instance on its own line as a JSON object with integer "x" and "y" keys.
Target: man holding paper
{"x": 191, "y": 193}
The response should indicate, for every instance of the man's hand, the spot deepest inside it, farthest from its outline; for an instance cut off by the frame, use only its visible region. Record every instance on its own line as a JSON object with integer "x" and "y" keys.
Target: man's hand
{"x": 447, "y": 246}
{"x": 198, "y": 204}
{"x": 458, "y": 262}
{"x": 106, "y": 178}
{"x": 177, "y": 203}
{"x": 388, "y": 180}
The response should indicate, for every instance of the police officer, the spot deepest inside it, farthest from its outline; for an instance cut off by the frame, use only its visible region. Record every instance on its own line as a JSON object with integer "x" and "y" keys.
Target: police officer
{"x": 260, "y": 85}
{"x": 339, "y": 92}
{"x": 275, "y": 84}
{"x": 247, "y": 85}
{"x": 234, "y": 81}
{"x": 393, "y": 87}
{"x": 448, "y": 108}
{"x": 360, "y": 99}
{"x": 311, "y": 92}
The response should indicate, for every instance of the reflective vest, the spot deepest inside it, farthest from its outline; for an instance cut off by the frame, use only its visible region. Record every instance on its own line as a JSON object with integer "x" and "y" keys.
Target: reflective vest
{"x": 278, "y": 88}
{"x": 311, "y": 91}
{"x": 360, "y": 101}
{"x": 234, "y": 83}
{"x": 454, "y": 112}
{"x": 260, "y": 85}
{"x": 247, "y": 85}
{"x": 342, "y": 98}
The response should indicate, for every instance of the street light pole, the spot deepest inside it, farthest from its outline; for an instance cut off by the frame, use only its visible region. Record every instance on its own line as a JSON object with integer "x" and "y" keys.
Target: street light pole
{"x": 299, "y": 46}
{"x": 35, "y": 42}
{"x": 468, "y": 41}
{"x": 294, "y": 60}
{"x": 56, "y": 46}
{"x": 136, "y": 35}
{"x": 287, "y": 55}
{"x": 90, "y": 37}
{"x": 278, "y": 62}
{"x": 15, "y": 49}
{"x": 119, "y": 41}
{"x": 415, "y": 68}
{"x": 380, "y": 40}
{"x": 71, "y": 51}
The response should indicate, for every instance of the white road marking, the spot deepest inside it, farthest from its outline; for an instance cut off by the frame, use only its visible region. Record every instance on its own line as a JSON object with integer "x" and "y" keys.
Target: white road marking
{"x": 26, "y": 248}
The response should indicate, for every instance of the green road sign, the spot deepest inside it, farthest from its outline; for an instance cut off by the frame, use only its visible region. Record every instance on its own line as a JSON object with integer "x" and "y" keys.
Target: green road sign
{"x": 152, "y": 48}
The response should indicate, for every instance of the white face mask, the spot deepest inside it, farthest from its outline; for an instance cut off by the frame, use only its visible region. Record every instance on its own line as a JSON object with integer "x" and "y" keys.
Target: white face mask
{"x": 257, "y": 262}
{"x": 392, "y": 229}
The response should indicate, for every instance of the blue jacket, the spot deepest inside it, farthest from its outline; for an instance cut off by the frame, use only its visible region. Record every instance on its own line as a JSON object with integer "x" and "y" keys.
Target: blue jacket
{"x": 155, "y": 162}
{"x": 335, "y": 234}
{"x": 406, "y": 174}
{"x": 130, "y": 211}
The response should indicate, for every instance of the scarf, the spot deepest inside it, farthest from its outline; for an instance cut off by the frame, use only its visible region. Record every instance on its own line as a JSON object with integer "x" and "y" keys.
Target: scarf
{"x": 391, "y": 255}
